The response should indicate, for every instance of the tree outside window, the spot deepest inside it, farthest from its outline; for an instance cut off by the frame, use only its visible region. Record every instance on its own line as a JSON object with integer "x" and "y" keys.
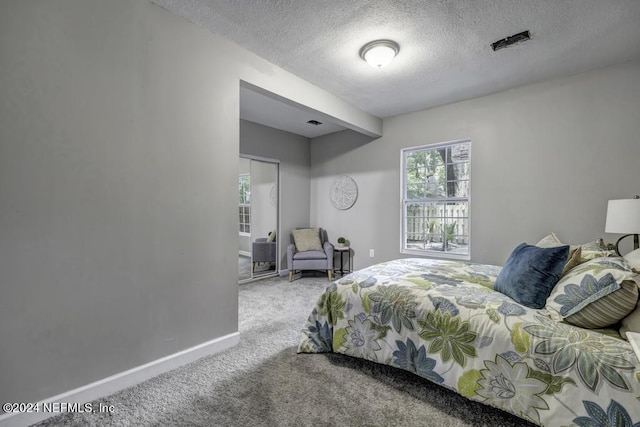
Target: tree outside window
{"x": 435, "y": 200}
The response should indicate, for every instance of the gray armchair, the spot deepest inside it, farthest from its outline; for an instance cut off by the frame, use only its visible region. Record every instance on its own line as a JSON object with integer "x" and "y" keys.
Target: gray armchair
{"x": 317, "y": 253}
{"x": 263, "y": 250}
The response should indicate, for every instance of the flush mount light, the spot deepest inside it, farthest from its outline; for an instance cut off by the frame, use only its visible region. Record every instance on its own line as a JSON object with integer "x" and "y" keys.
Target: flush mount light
{"x": 379, "y": 53}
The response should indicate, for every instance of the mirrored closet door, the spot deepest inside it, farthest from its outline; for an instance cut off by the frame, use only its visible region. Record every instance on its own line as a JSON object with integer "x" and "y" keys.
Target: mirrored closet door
{"x": 257, "y": 217}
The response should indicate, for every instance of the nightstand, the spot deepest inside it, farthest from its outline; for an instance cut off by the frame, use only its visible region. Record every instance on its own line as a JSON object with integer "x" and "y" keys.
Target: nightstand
{"x": 342, "y": 250}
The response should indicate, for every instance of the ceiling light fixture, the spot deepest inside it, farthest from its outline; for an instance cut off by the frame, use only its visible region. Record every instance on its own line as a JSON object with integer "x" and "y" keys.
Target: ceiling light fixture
{"x": 379, "y": 53}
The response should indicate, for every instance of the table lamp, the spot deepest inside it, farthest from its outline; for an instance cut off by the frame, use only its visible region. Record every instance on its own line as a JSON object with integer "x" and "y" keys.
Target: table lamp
{"x": 623, "y": 216}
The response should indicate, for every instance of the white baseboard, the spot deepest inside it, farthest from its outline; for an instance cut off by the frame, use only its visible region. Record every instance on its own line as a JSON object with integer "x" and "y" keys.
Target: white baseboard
{"x": 122, "y": 380}
{"x": 245, "y": 253}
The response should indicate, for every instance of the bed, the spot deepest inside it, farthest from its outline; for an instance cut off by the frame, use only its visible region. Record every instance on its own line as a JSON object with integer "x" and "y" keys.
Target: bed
{"x": 444, "y": 321}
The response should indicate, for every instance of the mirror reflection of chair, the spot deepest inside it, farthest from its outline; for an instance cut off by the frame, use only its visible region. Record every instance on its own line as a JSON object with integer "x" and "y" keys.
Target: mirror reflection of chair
{"x": 264, "y": 250}
{"x": 309, "y": 250}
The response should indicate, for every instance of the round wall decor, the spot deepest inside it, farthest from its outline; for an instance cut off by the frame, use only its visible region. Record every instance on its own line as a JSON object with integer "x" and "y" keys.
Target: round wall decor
{"x": 344, "y": 192}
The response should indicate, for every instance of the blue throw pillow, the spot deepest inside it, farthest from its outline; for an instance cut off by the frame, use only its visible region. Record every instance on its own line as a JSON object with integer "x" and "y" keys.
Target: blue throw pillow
{"x": 530, "y": 273}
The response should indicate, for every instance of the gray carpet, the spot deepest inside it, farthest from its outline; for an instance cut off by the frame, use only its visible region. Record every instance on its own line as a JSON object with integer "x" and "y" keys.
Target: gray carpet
{"x": 263, "y": 382}
{"x": 262, "y": 268}
{"x": 244, "y": 267}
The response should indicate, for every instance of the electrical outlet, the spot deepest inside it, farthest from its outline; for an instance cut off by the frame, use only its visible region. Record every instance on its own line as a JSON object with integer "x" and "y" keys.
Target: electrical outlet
{"x": 372, "y": 253}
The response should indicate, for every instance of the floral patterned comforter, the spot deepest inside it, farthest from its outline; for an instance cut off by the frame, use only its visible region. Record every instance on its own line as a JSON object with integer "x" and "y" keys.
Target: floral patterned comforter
{"x": 443, "y": 321}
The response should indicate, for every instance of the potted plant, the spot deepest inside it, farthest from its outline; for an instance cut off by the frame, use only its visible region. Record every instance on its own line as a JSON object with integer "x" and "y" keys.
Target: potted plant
{"x": 341, "y": 241}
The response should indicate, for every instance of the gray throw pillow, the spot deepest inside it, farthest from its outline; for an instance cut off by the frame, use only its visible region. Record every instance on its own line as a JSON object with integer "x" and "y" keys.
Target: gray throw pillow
{"x": 307, "y": 239}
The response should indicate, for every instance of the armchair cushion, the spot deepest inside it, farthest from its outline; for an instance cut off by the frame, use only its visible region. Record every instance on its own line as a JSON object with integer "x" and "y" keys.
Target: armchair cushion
{"x": 310, "y": 255}
{"x": 307, "y": 239}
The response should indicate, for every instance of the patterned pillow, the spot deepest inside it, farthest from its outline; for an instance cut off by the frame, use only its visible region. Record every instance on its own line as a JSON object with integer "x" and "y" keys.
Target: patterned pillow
{"x": 607, "y": 310}
{"x": 593, "y": 250}
{"x": 530, "y": 273}
{"x": 595, "y": 294}
{"x": 307, "y": 239}
{"x": 585, "y": 252}
{"x": 592, "y": 246}
{"x": 575, "y": 252}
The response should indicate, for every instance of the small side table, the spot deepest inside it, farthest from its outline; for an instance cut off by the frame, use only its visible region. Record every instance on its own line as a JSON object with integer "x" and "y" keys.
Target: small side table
{"x": 343, "y": 250}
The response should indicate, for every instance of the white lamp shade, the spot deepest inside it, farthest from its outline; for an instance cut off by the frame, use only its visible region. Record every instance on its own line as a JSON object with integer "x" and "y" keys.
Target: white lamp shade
{"x": 623, "y": 216}
{"x": 379, "y": 56}
{"x": 379, "y": 53}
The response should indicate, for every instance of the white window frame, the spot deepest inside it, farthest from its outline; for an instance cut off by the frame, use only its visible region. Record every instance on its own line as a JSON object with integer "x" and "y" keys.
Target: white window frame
{"x": 443, "y": 253}
{"x": 244, "y": 209}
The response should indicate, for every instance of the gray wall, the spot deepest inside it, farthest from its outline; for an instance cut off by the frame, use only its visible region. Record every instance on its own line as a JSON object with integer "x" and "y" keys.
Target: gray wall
{"x": 545, "y": 157}
{"x": 117, "y": 187}
{"x": 119, "y": 142}
{"x": 293, "y": 151}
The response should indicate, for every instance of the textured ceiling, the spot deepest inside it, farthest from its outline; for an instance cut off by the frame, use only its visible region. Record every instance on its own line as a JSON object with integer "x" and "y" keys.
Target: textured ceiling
{"x": 445, "y": 54}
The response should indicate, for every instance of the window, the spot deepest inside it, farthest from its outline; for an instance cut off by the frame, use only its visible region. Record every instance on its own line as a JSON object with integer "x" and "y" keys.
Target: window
{"x": 435, "y": 199}
{"x": 244, "y": 210}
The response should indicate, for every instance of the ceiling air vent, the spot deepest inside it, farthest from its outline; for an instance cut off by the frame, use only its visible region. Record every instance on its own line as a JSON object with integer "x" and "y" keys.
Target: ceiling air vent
{"x": 511, "y": 40}
{"x": 314, "y": 122}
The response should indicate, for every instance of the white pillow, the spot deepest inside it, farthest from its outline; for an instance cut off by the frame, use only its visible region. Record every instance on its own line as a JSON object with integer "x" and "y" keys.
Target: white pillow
{"x": 633, "y": 258}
